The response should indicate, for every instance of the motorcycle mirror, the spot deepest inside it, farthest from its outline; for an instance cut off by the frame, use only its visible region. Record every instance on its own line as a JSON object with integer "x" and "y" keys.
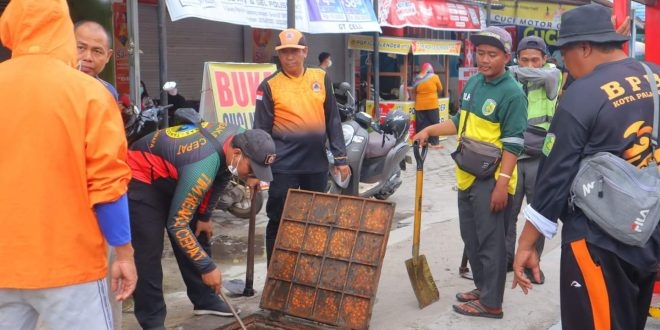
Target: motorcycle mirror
{"x": 344, "y": 86}
{"x": 187, "y": 116}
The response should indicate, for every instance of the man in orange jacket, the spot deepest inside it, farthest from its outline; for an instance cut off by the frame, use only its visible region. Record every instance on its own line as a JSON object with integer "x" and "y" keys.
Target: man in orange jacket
{"x": 64, "y": 178}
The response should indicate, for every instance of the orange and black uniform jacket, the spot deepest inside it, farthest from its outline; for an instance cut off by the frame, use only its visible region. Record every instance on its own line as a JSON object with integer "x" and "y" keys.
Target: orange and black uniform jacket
{"x": 181, "y": 163}
{"x": 300, "y": 113}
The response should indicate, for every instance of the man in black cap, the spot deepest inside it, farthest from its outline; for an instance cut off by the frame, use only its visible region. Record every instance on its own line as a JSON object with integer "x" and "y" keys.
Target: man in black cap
{"x": 178, "y": 176}
{"x": 493, "y": 110}
{"x": 541, "y": 82}
{"x": 604, "y": 284}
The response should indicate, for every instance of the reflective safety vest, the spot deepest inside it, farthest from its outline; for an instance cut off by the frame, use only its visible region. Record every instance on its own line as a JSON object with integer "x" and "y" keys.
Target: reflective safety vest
{"x": 540, "y": 109}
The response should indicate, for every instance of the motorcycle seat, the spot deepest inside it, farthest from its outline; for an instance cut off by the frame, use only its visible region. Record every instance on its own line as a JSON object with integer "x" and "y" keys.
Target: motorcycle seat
{"x": 376, "y": 148}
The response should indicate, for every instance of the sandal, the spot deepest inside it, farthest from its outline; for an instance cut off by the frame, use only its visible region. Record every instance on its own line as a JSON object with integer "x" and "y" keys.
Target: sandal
{"x": 475, "y": 308}
{"x": 468, "y": 296}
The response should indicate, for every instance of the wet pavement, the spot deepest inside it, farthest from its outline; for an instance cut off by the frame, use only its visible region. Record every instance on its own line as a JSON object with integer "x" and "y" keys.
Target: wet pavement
{"x": 395, "y": 304}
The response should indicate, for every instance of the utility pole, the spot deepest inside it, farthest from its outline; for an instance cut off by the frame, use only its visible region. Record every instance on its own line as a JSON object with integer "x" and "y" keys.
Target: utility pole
{"x": 134, "y": 51}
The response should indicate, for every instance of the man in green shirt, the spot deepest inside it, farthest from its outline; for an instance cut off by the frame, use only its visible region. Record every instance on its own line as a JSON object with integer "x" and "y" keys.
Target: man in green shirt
{"x": 493, "y": 110}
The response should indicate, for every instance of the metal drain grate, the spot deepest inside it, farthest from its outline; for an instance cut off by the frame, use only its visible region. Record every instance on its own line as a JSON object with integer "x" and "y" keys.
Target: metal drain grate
{"x": 327, "y": 258}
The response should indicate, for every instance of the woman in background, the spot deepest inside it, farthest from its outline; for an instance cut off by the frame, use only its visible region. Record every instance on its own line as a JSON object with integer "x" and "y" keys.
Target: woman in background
{"x": 425, "y": 90}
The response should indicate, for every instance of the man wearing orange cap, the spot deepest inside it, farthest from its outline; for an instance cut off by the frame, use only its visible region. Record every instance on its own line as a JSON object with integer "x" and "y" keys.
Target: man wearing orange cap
{"x": 297, "y": 107}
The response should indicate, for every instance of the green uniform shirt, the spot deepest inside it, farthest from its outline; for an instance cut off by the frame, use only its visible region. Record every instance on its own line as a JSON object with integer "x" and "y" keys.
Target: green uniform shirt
{"x": 497, "y": 114}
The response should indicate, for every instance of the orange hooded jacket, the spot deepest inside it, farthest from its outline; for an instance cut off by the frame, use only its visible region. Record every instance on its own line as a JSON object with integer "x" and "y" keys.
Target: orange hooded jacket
{"x": 64, "y": 151}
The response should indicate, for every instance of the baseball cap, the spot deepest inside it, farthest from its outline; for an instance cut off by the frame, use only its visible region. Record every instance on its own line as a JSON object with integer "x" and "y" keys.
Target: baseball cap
{"x": 290, "y": 38}
{"x": 532, "y": 42}
{"x": 259, "y": 147}
{"x": 588, "y": 23}
{"x": 494, "y": 36}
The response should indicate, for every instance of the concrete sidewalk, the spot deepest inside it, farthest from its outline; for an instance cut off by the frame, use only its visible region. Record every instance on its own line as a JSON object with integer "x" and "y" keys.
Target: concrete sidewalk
{"x": 395, "y": 306}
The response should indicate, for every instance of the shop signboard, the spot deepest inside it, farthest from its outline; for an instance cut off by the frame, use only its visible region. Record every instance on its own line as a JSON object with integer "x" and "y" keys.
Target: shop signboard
{"x": 403, "y": 46}
{"x": 544, "y": 15}
{"x": 436, "y": 47}
{"x": 385, "y": 44}
{"x": 327, "y": 16}
{"x": 549, "y": 36}
{"x": 431, "y": 14}
{"x": 229, "y": 91}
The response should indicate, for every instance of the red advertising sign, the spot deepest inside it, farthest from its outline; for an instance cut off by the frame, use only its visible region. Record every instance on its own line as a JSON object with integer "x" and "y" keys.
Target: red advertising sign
{"x": 262, "y": 45}
{"x": 621, "y": 11}
{"x": 432, "y": 14}
{"x": 120, "y": 41}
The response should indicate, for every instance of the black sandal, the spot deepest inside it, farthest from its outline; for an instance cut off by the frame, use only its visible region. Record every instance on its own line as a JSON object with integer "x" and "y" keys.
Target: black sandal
{"x": 475, "y": 308}
{"x": 468, "y": 296}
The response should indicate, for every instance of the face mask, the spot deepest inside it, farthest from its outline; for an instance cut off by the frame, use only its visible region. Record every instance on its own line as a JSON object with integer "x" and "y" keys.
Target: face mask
{"x": 329, "y": 63}
{"x": 234, "y": 169}
{"x": 141, "y": 90}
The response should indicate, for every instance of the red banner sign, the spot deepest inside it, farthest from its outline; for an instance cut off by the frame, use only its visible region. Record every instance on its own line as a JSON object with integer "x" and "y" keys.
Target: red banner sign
{"x": 432, "y": 14}
{"x": 120, "y": 40}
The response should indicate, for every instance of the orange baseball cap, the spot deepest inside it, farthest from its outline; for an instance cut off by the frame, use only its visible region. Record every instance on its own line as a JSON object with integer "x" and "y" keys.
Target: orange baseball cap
{"x": 291, "y": 38}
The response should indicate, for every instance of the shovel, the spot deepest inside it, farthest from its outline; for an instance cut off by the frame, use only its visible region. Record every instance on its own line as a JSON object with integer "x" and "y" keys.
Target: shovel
{"x": 418, "y": 269}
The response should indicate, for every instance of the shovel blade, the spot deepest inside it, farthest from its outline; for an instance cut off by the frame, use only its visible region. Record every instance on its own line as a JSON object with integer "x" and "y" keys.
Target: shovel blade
{"x": 422, "y": 281}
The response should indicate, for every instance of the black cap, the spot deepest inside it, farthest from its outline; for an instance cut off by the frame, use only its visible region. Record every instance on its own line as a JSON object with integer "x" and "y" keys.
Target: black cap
{"x": 532, "y": 42}
{"x": 588, "y": 23}
{"x": 259, "y": 147}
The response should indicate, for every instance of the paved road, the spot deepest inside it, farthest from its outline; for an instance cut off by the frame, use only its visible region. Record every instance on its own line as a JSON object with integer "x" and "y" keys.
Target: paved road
{"x": 395, "y": 306}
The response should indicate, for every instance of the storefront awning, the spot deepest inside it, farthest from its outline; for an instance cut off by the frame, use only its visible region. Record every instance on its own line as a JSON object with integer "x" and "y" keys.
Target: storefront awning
{"x": 311, "y": 16}
{"x": 430, "y": 14}
{"x": 405, "y": 45}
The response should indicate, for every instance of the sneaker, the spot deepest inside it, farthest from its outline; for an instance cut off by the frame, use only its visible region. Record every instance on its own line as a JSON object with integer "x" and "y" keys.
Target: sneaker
{"x": 222, "y": 309}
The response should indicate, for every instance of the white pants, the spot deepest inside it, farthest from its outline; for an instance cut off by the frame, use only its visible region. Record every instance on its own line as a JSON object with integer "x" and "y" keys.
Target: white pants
{"x": 80, "y": 306}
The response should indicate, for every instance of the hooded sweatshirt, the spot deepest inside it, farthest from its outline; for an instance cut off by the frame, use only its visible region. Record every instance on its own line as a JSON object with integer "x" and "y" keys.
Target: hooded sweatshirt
{"x": 64, "y": 152}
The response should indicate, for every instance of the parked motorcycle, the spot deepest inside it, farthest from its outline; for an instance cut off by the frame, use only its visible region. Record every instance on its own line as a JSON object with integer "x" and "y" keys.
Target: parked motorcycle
{"x": 140, "y": 123}
{"x": 236, "y": 199}
{"x": 376, "y": 153}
